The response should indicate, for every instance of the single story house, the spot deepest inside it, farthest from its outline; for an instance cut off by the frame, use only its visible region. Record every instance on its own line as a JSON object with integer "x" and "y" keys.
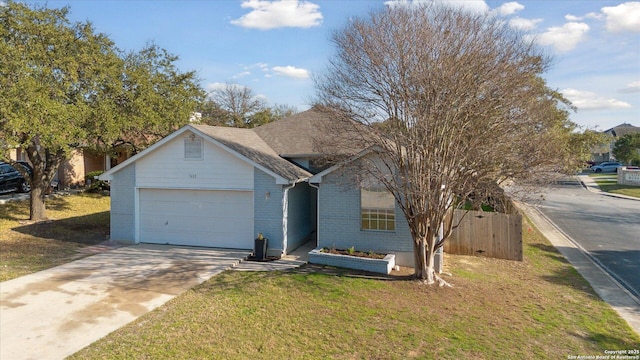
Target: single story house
{"x": 73, "y": 170}
{"x": 219, "y": 187}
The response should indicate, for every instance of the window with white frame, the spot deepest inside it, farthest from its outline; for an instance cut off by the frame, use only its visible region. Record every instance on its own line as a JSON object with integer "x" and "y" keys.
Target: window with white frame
{"x": 193, "y": 148}
{"x": 377, "y": 209}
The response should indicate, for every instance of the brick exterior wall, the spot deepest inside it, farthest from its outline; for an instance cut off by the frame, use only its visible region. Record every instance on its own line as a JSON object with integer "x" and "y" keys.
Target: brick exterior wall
{"x": 340, "y": 222}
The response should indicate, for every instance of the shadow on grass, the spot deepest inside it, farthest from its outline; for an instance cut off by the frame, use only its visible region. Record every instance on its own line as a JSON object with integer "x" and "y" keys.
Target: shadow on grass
{"x": 551, "y": 252}
{"x": 561, "y": 272}
{"x": 19, "y": 210}
{"x": 622, "y": 265}
{"x": 88, "y": 229}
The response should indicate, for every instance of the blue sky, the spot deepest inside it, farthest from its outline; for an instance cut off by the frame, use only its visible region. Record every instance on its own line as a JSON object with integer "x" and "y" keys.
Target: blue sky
{"x": 274, "y": 47}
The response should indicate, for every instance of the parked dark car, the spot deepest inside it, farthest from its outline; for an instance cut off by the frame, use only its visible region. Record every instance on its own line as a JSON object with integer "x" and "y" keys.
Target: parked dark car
{"x": 11, "y": 179}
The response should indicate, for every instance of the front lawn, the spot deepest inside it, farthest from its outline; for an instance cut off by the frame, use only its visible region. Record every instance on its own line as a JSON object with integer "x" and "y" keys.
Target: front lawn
{"x": 76, "y": 221}
{"x": 540, "y": 308}
{"x": 609, "y": 183}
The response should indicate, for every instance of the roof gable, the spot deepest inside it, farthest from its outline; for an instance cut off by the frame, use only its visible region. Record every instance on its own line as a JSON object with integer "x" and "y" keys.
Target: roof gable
{"x": 249, "y": 145}
{"x": 242, "y": 143}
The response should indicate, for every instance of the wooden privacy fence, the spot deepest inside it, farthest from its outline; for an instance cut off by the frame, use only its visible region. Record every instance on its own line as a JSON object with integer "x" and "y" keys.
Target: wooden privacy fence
{"x": 488, "y": 234}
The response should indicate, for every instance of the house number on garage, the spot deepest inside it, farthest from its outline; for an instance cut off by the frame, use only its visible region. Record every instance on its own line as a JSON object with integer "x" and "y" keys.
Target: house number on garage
{"x": 192, "y": 176}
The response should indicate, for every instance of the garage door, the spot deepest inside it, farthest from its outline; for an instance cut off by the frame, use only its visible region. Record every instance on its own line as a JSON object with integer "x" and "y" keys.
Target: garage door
{"x": 197, "y": 218}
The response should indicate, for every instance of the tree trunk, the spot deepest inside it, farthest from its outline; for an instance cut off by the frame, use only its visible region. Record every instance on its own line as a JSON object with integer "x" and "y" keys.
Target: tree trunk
{"x": 430, "y": 265}
{"x": 424, "y": 268}
{"x": 37, "y": 209}
{"x": 420, "y": 265}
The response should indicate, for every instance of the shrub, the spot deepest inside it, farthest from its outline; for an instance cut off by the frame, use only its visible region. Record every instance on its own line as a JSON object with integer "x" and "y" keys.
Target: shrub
{"x": 93, "y": 184}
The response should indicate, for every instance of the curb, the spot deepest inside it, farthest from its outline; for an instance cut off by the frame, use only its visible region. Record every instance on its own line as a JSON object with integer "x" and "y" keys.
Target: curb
{"x": 608, "y": 288}
{"x": 596, "y": 190}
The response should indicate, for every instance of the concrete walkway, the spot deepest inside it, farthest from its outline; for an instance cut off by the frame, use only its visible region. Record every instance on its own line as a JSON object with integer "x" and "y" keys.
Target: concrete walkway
{"x": 56, "y": 312}
{"x": 623, "y": 302}
{"x": 590, "y": 184}
{"x": 295, "y": 259}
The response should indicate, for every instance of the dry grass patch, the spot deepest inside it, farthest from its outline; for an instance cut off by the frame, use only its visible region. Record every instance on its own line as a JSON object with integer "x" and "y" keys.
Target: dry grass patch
{"x": 537, "y": 309}
{"x": 75, "y": 221}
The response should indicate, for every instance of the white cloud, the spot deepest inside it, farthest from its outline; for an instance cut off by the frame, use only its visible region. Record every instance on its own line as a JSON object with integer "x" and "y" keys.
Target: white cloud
{"x": 591, "y": 15}
{"x": 290, "y": 71}
{"x": 624, "y": 17}
{"x": 586, "y": 100}
{"x": 241, "y": 75}
{"x": 282, "y": 13}
{"x": 215, "y": 86}
{"x": 524, "y": 24}
{"x": 573, "y": 18}
{"x": 509, "y": 8}
{"x": 564, "y": 38}
{"x": 471, "y": 5}
{"x": 633, "y": 87}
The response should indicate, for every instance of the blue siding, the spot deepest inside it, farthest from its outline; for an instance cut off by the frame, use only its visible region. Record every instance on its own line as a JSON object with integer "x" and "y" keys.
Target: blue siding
{"x": 123, "y": 205}
{"x": 339, "y": 223}
{"x": 299, "y": 215}
{"x": 267, "y": 211}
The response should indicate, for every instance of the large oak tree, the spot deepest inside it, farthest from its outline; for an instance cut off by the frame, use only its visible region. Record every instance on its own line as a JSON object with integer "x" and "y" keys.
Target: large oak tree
{"x": 64, "y": 86}
{"x": 458, "y": 104}
{"x": 627, "y": 148}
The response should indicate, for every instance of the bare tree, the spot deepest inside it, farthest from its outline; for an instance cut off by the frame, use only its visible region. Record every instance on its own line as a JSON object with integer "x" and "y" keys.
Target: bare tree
{"x": 458, "y": 103}
{"x": 238, "y": 102}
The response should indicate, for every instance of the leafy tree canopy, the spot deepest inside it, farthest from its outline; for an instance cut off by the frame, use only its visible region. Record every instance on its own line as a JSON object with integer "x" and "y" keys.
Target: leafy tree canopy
{"x": 627, "y": 149}
{"x": 64, "y": 86}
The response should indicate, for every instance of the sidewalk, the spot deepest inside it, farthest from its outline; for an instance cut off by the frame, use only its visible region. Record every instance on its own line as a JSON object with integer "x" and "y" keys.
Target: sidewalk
{"x": 623, "y": 302}
{"x": 592, "y": 186}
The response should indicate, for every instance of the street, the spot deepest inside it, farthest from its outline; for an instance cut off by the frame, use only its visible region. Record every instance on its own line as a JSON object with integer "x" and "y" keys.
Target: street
{"x": 608, "y": 228}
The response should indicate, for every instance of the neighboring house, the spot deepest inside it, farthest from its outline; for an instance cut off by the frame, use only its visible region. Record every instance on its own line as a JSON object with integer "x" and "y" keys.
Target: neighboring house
{"x": 219, "y": 187}
{"x": 604, "y": 152}
{"x": 72, "y": 171}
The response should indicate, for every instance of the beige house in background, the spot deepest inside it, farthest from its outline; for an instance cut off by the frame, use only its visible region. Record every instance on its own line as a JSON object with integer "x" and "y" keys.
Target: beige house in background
{"x": 604, "y": 152}
{"x": 73, "y": 170}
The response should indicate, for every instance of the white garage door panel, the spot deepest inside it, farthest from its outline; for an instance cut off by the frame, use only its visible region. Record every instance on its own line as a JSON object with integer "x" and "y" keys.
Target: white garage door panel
{"x": 197, "y": 218}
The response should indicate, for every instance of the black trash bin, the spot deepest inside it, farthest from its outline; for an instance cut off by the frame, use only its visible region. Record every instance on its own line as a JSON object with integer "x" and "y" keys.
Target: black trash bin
{"x": 260, "y": 247}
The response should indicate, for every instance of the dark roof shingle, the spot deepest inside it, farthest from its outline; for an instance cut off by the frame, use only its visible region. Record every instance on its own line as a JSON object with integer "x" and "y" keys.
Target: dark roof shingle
{"x": 247, "y": 143}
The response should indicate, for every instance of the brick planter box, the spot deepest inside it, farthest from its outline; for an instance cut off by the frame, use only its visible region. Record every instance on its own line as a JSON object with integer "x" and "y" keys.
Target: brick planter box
{"x": 382, "y": 266}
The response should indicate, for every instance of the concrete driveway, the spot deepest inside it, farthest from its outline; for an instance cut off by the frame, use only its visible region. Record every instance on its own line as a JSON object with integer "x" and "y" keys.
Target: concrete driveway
{"x": 54, "y": 313}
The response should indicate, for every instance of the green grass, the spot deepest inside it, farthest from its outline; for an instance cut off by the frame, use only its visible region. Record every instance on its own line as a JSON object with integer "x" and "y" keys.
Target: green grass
{"x": 26, "y": 247}
{"x": 540, "y": 308}
{"x": 609, "y": 183}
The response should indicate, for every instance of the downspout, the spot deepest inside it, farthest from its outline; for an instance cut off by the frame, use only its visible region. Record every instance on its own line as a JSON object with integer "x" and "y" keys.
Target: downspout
{"x": 317, "y": 187}
{"x": 285, "y": 214}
